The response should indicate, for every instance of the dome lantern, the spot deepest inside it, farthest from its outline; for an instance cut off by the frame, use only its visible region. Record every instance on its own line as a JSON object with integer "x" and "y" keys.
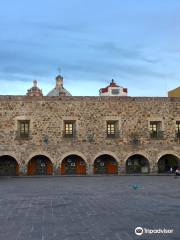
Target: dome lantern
{"x": 34, "y": 91}
{"x": 59, "y": 89}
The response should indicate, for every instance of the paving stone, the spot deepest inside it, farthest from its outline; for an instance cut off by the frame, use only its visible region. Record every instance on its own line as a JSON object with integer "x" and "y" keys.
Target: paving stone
{"x": 96, "y": 208}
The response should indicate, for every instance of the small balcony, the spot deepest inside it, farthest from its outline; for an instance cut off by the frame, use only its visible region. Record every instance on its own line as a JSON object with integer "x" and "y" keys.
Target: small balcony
{"x": 23, "y": 136}
{"x": 69, "y": 135}
{"x": 115, "y": 135}
{"x": 158, "y": 135}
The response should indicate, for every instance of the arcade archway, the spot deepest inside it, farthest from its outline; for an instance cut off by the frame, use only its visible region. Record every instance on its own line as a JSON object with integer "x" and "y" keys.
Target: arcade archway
{"x": 8, "y": 166}
{"x": 167, "y": 162}
{"x": 105, "y": 164}
{"x": 73, "y": 164}
{"x": 137, "y": 164}
{"x": 40, "y": 165}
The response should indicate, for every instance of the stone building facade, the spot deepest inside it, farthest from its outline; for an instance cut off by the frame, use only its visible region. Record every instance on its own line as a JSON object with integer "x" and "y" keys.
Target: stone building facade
{"x": 88, "y": 135}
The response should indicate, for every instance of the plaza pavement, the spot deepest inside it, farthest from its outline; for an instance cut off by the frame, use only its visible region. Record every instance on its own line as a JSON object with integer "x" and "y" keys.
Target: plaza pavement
{"x": 88, "y": 208}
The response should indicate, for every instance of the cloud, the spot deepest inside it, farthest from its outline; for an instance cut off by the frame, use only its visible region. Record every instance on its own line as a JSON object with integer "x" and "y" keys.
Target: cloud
{"x": 104, "y": 68}
{"x": 71, "y": 28}
{"x": 115, "y": 51}
{"x": 128, "y": 63}
{"x": 14, "y": 61}
{"x": 78, "y": 54}
{"x": 125, "y": 53}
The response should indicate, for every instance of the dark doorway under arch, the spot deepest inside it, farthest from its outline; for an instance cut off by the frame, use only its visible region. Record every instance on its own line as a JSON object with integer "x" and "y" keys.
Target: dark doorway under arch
{"x": 40, "y": 165}
{"x": 137, "y": 164}
{"x": 73, "y": 164}
{"x": 8, "y": 166}
{"x": 167, "y": 162}
{"x": 105, "y": 164}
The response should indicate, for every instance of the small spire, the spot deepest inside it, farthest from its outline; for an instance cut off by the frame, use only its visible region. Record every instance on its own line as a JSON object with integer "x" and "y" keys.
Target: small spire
{"x": 112, "y": 83}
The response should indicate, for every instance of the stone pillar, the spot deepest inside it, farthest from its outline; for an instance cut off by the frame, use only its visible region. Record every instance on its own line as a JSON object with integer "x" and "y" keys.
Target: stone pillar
{"x": 56, "y": 169}
{"x": 154, "y": 168}
{"x": 89, "y": 169}
{"x": 121, "y": 169}
{"x": 23, "y": 169}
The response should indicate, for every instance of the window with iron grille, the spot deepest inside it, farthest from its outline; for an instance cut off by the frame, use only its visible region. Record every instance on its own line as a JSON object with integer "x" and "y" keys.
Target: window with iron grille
{"x": 156, "y": 129}
{"x": 153, "y": 126}
{"x": 24, "y": 128}
{"x": 69, "y": 128}
{"x": 112, "y": 128}
{"x": 178, "y": 129}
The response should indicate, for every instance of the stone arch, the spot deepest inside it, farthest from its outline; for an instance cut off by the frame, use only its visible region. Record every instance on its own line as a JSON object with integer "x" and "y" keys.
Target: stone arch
{"x": 168, "y": 162}
{"x": 73, "y": 164}
{"x": 105, "y": 153}
{"x": 36, "y": 153}
{"x": 137, "y": 163}
{"x": 105, "y": 163}
{"x": 143, "y": 153}
{"x": 9, "y": 166}
{"x": 40, "y": 165}
{"x": 73, "y": 153}
{"x": 168, "y": 152}
{"x": 12, "y": 154}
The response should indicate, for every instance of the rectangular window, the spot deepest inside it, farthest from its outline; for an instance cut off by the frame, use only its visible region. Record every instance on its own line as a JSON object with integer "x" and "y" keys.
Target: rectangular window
{"x": 115, "y": 91}
{"x": 24, "y": 128}
{"x": 156, "y": 129}
{"x": 112, "y": 128}
{"x": 153, "y": 127}
{"x": 69, "y": 128}
{"x": 178, "y": 129}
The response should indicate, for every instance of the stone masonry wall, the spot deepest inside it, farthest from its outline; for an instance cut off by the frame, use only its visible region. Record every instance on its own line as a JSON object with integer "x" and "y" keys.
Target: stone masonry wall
{"x": 46, "y": 115}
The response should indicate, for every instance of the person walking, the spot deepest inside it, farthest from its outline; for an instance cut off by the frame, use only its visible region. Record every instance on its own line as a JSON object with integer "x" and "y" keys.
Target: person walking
{"x": 177, "y": 172}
